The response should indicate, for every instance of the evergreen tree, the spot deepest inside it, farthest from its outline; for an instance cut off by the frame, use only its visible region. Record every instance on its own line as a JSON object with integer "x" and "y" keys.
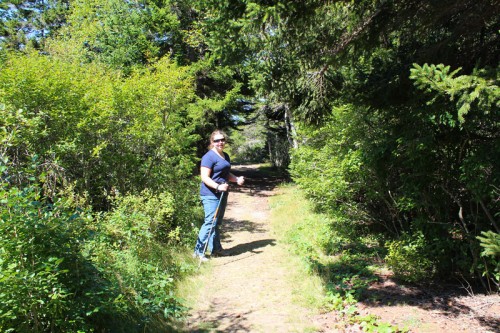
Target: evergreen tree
{"x": 30, "y": 23}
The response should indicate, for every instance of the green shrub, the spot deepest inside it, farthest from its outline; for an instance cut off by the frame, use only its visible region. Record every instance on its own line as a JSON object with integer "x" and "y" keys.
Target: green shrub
{"x": 329, "y": 167}
{"x": 145, "y": 212}
{"x": 135, "y": 248}
{"x": 424, "y": 167}
{"x": 64, "y": 270}
{"x": 95, "y": 129}
{"x": 45, "y": 282}
{"x": 409, "y": 258}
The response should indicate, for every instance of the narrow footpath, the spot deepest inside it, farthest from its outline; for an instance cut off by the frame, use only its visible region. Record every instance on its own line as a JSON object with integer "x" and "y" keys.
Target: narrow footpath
{"x": 259, "y": 288}
{"x": 252, "y": 290}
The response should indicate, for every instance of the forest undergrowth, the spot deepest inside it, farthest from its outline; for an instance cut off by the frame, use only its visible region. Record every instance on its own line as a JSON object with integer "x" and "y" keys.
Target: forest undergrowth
{"x": 360, "y": 290}
{"x": 345, "y": 264}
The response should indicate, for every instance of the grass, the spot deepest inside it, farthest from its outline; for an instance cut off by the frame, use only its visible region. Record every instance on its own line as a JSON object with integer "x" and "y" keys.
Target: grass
{"x": 194, "y": 281}
{"x": 339, "y": 268}
{"x": 287, "y": 223}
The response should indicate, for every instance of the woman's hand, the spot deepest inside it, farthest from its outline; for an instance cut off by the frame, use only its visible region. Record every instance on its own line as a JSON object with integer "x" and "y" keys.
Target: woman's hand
{"x": 223, "y": 187}
{"x": 240, "y": 180}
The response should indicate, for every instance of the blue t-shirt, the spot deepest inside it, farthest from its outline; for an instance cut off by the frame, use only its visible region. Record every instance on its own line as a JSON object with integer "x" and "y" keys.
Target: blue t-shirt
{"x": 220, "y": 171}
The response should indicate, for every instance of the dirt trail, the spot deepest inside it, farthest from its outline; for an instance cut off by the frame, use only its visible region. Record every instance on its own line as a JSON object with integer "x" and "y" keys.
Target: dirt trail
{"x": 249, "y": 291}
{"x": 255, "y": 289}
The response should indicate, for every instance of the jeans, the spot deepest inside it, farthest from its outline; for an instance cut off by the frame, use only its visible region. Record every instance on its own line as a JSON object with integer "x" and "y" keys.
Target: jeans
{"x": 210, "y": 204}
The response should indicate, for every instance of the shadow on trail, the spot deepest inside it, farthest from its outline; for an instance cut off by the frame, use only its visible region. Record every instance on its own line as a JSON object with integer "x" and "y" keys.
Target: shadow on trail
{"x": 352, "y": 274}
{"x": 252, "y": 246}
{"x": 444, "y": 299}
{"x": 238, "y": 321}
{"x": 232, "y": 225}
{"x": 257, "y": 181}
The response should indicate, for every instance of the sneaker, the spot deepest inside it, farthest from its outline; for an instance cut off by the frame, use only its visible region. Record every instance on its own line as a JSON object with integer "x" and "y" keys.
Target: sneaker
{"x": 200, "y": 256}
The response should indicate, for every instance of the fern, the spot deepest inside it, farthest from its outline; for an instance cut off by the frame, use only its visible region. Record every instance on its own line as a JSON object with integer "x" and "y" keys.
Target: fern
{"x": 490, "y": 242}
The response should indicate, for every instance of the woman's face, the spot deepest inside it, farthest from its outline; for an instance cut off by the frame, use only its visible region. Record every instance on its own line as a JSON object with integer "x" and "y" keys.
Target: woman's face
{"x": 219, "y": 141}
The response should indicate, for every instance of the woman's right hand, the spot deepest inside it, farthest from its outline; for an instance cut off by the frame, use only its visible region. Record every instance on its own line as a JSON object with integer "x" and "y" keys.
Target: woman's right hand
{"x": 223, "y": 187}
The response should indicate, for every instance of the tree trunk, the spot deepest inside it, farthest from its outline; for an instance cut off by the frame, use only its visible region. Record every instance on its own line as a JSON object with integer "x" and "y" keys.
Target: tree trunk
{"x": 290, "y": 128}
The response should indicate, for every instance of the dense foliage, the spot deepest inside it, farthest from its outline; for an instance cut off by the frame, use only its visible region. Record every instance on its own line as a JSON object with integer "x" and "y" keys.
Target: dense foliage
{"x": 40, "y": 261}
{"x": 98, "y": 155}
{"x": 403, "y": 147}
{"x": 385, "y": 112}
{"x": 95, "y": 130}
{"x": 390, "y": 110}
{"x": 79, "y": 137}
{"x": 64, "y": 269}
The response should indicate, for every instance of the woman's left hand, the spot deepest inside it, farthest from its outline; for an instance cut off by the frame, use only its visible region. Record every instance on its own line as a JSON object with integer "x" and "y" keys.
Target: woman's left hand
{"x": 223, "y": 187}
{"x": 240, "y": 180}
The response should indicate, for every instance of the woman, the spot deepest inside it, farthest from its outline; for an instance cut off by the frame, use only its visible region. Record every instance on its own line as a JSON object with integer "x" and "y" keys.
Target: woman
{"x": 215, "y": 177}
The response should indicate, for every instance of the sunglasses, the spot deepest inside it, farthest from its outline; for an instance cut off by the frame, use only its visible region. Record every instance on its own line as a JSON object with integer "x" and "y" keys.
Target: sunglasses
{"x": 220, "y": 140}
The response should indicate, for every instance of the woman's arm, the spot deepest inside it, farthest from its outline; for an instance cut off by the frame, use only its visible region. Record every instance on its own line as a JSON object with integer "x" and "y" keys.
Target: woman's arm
{"x": 205, "y": 177}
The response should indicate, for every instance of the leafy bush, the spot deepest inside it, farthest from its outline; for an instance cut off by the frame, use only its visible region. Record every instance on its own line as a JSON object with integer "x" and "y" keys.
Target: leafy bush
{"x": 329, "y": 166}
{"x": 95, "y": 129}
{"x": 427, "y": 166}
{"x": 409, "y": 258}
{"x": 134, "y": 247}
{"x": 64, "y": 270}
{"x": 82, "y": 136}
{"x": 144, "y": 212}
{"x": 45, "y": 282}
